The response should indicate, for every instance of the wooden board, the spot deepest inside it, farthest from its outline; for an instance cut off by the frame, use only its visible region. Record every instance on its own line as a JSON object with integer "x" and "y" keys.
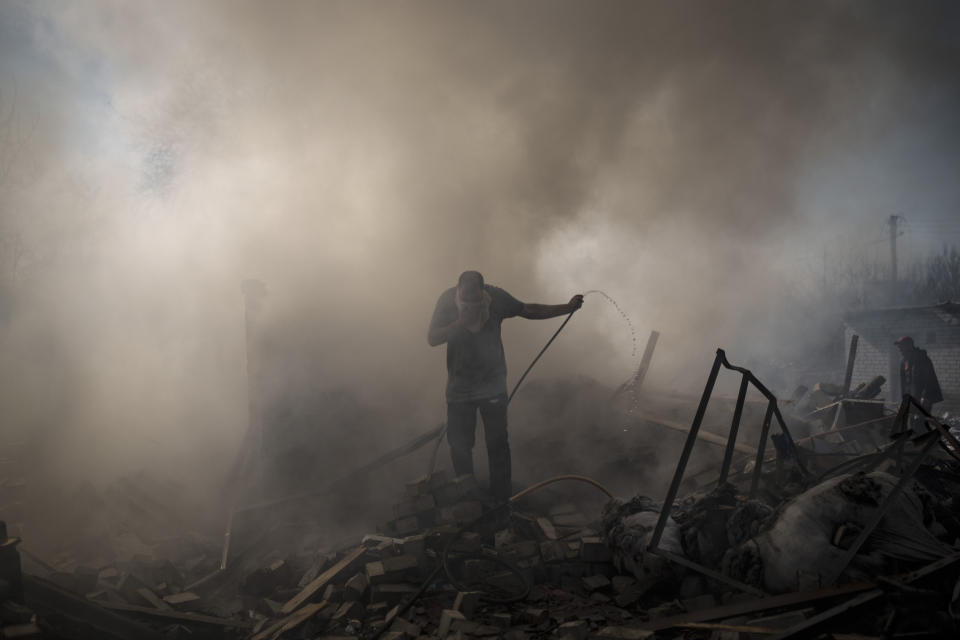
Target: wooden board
{"x": 301, "y": 615}
{"x": 182, "y": 616}
{"x": 321, "y": 581}
{"x": 706, "y": 436}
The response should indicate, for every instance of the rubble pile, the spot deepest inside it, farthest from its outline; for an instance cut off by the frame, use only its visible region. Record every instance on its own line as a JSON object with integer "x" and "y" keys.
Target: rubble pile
{"x": 513, "y": 573}
{"x": 779, "y": 539}
{"x": 450, "y": 564}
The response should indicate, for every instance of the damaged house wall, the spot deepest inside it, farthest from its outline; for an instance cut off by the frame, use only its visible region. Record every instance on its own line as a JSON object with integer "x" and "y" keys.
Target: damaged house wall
{"x": 935, "y": 329}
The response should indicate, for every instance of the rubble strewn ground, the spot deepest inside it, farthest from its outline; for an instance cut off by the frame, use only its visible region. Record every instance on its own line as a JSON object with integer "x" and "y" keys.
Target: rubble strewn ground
{"x": 450, "y": 564}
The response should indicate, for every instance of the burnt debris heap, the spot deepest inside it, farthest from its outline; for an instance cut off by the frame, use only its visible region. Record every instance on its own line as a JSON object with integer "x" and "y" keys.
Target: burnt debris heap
{"x": 828, "y": 516}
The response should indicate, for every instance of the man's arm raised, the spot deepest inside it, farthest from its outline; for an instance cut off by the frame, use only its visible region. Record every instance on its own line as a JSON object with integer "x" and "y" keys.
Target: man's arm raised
{"x": 533, "y": 311}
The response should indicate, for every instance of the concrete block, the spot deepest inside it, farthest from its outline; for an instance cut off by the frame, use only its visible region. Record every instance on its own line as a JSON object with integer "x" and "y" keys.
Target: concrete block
{"x": 439, "y": 478}
{"x": 406, "y": 526}
{"x": 376, "y": 572}
{"x": 399, "y": 564}
{"x": 417, "y": 487}
{"x": 356, "y": 587}
{"x": 415, "y": 545}
{"x": 404, "y": 509}
{"x": 457, "y": 490}
{"x": 391, "y": 593}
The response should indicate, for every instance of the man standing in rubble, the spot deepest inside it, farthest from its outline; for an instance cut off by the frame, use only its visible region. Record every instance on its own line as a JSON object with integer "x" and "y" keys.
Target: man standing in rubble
{"x": 467, "y": 318}
{"x": 917, "y": 376}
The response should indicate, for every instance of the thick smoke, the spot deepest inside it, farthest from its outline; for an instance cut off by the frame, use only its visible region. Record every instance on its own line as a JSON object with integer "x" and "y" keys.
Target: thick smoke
{"x": 689, "y": 159}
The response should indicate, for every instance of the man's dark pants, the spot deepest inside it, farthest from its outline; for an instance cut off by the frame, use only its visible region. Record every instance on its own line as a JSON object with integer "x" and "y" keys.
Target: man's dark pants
{"x": 461, "y": 431}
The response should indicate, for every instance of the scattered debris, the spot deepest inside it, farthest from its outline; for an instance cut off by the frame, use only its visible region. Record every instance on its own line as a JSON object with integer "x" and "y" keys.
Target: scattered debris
{"x": 777, "y": 538}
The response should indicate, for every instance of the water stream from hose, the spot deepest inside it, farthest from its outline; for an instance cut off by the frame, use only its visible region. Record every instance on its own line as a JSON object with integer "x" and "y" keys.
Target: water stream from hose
{"x": 631, "y": 390}
{"x": 626, "y": 318}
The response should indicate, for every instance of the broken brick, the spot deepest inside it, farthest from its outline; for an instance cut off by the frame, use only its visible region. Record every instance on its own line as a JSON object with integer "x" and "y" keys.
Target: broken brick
{"x": 356, "y": 587}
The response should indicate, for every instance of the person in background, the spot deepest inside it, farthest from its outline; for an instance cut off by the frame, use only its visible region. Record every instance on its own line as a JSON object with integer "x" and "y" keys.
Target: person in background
{"x": 467, "y": 319}
{"x": 917, "y": 377}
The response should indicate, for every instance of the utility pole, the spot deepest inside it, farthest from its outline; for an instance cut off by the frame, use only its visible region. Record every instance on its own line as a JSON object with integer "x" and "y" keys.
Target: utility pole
{"x": 892, "y": 221}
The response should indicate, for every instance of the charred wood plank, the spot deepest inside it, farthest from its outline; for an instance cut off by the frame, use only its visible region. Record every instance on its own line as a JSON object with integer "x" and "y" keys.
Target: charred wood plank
{"x": 321, "y": 581}
{"x": 180, "y": 616}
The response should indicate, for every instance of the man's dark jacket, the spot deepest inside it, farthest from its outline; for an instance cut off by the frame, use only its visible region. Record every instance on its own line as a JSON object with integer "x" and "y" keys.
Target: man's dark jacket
{"x": 918, "y": 378}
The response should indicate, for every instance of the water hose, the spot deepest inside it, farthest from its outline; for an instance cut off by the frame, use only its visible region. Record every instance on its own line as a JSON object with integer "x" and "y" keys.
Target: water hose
{"x": 545, "y": 347}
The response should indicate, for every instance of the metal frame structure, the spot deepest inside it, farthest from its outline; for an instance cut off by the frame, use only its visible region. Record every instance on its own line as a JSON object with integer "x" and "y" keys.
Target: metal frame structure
{"x": 927, "y": 440}
{"x": 901, "y": 425}
{"x": 936, "y": 434}
{"x": 773, "y": 411}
